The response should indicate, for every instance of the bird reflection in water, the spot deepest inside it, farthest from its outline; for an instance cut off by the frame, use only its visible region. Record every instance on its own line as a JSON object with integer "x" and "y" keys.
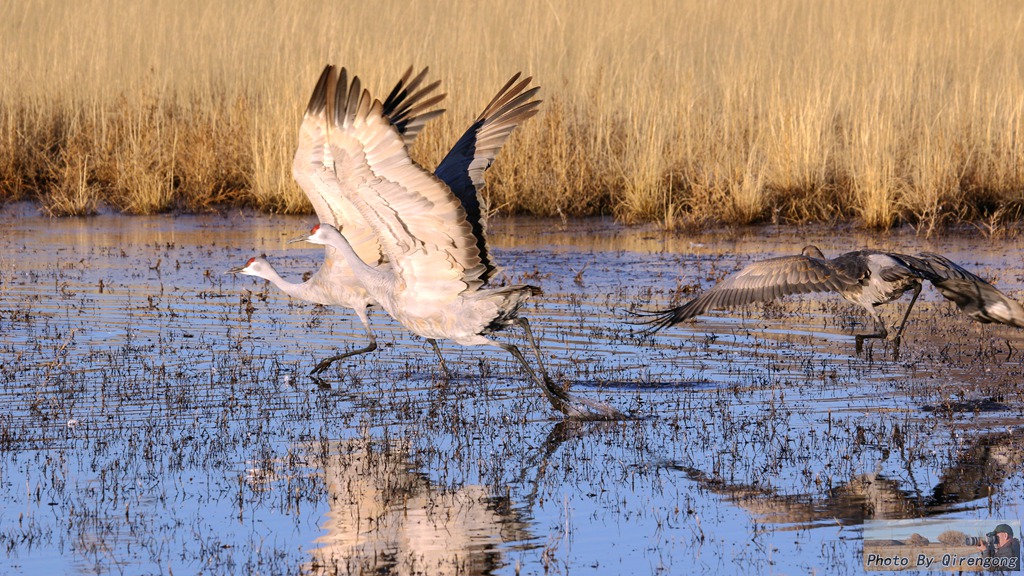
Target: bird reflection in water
{"x": 976, "y": 472}
{"x": 385, "y": 517}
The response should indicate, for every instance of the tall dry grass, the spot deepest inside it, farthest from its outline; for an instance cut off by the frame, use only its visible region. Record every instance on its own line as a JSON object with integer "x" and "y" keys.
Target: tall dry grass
{"x": 685, "y": 112}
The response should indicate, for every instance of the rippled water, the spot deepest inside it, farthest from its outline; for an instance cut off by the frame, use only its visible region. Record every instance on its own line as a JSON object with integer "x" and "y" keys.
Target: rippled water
{"x": 159, "y": 418}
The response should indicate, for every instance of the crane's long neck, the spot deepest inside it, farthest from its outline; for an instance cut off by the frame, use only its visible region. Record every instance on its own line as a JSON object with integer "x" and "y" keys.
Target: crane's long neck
{"x": 368, "y": 275}
{"x": 293, "y": 289}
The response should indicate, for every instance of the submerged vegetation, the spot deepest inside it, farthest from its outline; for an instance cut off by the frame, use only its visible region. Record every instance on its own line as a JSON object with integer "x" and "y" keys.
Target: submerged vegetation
{"x": 685, "y": 113}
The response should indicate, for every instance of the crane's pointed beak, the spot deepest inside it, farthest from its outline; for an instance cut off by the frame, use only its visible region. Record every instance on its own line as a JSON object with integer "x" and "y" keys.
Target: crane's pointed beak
{"x": 235, "y": 270}
{"x": 303, "y": 238}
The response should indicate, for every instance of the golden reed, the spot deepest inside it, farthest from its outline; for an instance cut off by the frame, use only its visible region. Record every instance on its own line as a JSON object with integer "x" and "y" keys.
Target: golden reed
{"x": 682, "y": 112}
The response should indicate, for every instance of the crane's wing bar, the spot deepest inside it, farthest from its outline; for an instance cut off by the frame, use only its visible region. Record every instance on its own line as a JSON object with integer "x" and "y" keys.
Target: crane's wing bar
{"x": 464, "y": 166}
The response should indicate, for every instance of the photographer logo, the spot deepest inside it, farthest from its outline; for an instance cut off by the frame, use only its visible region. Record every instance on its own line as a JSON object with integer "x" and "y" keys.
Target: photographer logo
{"x": 942, "y": 544}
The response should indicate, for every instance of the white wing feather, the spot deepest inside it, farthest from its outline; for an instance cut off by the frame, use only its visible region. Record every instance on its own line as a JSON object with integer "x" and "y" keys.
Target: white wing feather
{"x": 314, "y": 169}
{"x": 421, "y": 226}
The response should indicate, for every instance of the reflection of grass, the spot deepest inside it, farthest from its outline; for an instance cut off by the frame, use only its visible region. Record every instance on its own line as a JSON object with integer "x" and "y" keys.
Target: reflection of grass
{"x": 745, "y": 112}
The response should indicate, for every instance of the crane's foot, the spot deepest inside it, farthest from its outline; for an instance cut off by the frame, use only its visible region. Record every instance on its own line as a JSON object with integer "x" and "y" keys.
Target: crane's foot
{"x": 322, "y": 366}
{"x": 446, "y": 375}
{"x": 896, "y": 348}
{"x": 326, "y": 362}
{"x": 860, "y": 338}
{"x": 576, "y": 407}
{"x": 440, "y": 360}
{"x": 320, "y": 382}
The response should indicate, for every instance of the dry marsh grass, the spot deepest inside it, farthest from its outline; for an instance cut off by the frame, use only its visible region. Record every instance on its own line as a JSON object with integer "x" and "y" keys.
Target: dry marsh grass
{"x": 686, "y": 113}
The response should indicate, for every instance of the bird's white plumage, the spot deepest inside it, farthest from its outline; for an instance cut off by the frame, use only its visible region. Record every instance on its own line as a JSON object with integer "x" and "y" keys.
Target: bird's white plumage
{"x": 322, "y": 177}
{"x": 432, "y": 279}
{"x": 420, "y": 225}
{"x": 314, "y": 169}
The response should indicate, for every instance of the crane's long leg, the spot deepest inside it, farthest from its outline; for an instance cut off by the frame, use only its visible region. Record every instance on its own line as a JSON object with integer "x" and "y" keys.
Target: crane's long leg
{"x": 440, "y": 358}
{"x": 899, "y": 331}
{"x": 326, "y": 362}
{"x": 525, "y": 325}
{"x": 561, "y": 400}
{"x": 880, "y": 331}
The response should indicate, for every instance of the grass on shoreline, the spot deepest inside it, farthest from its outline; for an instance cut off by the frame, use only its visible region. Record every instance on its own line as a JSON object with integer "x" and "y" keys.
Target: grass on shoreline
{"x": 684, "y": 113}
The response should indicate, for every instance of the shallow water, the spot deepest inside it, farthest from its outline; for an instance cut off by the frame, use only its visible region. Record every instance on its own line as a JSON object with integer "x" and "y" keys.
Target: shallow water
{"x": 159, "y": 418}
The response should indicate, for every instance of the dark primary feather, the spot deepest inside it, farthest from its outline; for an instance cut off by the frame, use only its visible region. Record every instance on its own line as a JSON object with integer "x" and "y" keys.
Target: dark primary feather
{"x": 318, "y": 100}
{"x": 463, "y": 168}
{"x": 405, "y": 106}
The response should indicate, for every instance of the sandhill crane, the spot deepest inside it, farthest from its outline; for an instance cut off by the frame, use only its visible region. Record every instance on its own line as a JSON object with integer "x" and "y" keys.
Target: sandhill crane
{"x": 867, "y": 278}
{"x": 331, "y": 285}
{"x": 435, "y": 280}
{"x": 462, "y": 170}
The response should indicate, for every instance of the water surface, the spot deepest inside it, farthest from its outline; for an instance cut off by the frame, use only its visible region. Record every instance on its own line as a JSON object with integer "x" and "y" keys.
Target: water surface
{"x": 159, "y": 418}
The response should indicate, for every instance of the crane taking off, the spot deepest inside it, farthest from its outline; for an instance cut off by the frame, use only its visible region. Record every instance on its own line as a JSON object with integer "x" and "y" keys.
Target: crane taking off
{"x": 434, "y": 278}
{"x": 462, "y": 170}
{"x": 868, "y": 278}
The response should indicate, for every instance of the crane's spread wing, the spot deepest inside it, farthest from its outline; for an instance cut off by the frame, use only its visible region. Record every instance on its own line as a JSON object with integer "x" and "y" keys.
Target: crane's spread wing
{"x": 314, "y": 168}
{"x": 309, "y": 154}
{"x": 759, "y": 282}
{"x": 971, "y": 294}
{"x": 464, "y": 166}
{"x": 406, "y": 105}
{"x": 890, "y": 266}
{"x": 421, "y": 226}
